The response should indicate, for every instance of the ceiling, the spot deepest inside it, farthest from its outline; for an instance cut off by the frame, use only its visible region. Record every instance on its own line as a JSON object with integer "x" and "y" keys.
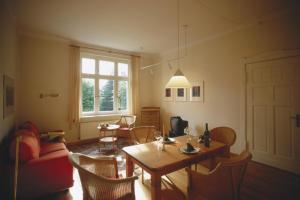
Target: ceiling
{"x": 147, "y": 26}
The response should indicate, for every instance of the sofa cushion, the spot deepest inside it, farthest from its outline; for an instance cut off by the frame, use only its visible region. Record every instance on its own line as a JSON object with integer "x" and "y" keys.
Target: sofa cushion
{"x": 51, "y": 147}
{"x": 31, "y": 127}
{"x": 29, "y": 147}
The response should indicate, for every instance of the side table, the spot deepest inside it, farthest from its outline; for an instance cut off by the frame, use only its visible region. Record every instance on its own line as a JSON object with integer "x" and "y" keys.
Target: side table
{"x": 105, "y": 138}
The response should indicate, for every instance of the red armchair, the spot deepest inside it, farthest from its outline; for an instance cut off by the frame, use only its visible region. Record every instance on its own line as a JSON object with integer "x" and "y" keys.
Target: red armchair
{"x": 44, "y": 166}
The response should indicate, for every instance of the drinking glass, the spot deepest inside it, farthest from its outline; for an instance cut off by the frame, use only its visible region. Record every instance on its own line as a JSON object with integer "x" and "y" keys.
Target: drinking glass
{"x": 157, "y": 136}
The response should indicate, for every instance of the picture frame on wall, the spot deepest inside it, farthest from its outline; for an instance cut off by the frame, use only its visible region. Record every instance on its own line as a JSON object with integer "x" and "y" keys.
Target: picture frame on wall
{"x": 180, "y": 94}
{"x": 8, "y": 96}
{"x": 168, "y": 94}
{"x": 197, "y": 91}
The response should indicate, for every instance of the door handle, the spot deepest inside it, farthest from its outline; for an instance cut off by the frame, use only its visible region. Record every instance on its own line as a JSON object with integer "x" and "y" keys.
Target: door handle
{"x": 297, "y": 118}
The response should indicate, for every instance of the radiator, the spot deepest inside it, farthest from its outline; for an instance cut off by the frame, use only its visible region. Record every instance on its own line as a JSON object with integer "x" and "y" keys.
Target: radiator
{"x": 88, "y": 130}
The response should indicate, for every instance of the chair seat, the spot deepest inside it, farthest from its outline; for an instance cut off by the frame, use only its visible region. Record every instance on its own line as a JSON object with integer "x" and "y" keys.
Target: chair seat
{"x": 124, "y": 129}
{"x": 179, "y": 180}
{"x": 108, "y": 139}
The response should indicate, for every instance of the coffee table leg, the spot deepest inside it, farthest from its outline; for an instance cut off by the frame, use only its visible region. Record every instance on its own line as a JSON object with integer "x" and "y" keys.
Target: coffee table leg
{"x": 155, "y": 187}
{"x": 129, "y": 166}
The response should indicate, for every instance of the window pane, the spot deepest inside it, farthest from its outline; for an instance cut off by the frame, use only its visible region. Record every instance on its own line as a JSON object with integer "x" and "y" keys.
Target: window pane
{"x": 106, "y": 68}
{"x": 106, "y": 95}
{"x": 122, "y": 69}
{"x": 123, "y": 95}
{"x": 88, "y": 66}
{"x": 88, "y": 93}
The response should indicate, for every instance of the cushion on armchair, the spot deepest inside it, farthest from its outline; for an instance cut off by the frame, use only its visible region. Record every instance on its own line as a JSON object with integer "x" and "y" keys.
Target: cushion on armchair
{"x": 29, "y": 146}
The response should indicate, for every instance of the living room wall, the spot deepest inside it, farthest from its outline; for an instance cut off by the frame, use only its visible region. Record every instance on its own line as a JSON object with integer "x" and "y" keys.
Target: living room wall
{"x": 44, "y": 65}
{"x": 217, "y": 62}
{"x": 44, "y": 68}
{"x": 8, "y": 62}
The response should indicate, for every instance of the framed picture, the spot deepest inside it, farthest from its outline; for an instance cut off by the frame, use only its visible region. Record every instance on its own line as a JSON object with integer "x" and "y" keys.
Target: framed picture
{"x": 196, "y": 91}
{"x": 168, "y": 94}
{"x": 180, "y": 94}
{"x": 8, "y": 96}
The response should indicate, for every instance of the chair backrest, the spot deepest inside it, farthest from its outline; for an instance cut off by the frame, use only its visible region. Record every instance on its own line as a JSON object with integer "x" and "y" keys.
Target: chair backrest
{"x": 105, "y": 166}
{"x": 127, "y": 121}
{"x": 225, "y": 135}
{"x": 142, "y": 134}
{"x": 223, "y": 182}
{"x": 99, "y": 178}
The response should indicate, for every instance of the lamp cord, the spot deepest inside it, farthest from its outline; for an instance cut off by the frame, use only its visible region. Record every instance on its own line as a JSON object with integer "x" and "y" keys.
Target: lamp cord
{"x": 178, "y": 27}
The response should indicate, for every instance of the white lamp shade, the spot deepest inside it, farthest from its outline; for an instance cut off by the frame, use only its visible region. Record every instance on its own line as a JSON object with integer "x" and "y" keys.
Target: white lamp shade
{"x": 178, "y": 80}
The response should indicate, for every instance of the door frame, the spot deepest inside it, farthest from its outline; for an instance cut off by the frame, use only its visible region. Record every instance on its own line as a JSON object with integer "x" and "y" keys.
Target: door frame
{"x": 257, "y": 58}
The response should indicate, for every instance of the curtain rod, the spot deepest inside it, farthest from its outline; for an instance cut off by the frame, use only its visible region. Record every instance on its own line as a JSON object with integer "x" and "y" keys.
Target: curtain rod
{"x": 103, "y": 50}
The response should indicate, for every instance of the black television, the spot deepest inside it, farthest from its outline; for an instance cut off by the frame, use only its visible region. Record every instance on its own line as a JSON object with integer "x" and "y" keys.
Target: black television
{"x": 177, "y": 126}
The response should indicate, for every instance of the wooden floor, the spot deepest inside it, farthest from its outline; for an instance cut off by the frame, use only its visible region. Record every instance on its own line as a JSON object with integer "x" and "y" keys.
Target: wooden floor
{"x": 261, "y": 182}
{"x": 264, "y": 182}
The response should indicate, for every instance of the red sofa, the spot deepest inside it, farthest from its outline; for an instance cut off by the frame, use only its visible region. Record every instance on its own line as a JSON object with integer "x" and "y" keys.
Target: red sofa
{"x": 44, "y": 166}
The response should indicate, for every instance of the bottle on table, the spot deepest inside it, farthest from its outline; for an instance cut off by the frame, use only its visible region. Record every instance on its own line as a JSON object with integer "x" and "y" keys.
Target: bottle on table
{"x": 206, "y": 136}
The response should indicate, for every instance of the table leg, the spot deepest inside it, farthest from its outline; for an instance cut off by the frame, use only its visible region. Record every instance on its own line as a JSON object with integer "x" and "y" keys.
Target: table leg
{"x": 129, "y": 166}
{"x": 155, "y": 187}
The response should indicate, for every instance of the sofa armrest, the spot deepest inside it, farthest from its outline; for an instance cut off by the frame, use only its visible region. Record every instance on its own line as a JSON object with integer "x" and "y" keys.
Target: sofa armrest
{"x": 49, "y": 173}
{"x": 53, "y": 136}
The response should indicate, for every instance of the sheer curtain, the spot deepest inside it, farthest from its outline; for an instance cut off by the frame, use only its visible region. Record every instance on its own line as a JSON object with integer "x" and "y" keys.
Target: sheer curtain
{"x": 74, "y": 84}
{"x": 136, "y": 64}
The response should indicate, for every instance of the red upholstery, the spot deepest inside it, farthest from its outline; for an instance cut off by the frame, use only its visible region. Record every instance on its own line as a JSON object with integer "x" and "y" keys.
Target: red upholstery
{"x": 29, "y": 146}
{"x": 31, "y": 127}
{"x": 51, "y": 147}
{"x": 45, "y": 167}
{"x": 50, "y": 173}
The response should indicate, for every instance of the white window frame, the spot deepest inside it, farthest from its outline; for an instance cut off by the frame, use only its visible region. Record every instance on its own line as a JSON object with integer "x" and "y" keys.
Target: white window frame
{"x": 118, "y": 59}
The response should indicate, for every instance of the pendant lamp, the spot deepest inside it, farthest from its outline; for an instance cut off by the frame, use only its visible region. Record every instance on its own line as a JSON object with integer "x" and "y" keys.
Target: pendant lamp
{"x": 178, "y": 80}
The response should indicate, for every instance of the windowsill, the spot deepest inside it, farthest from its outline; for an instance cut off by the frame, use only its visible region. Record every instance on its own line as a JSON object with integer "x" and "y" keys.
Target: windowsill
{"x": 96, "y": 118}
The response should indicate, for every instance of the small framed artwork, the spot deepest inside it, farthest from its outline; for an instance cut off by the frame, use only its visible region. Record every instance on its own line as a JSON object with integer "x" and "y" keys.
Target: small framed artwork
{"x": 196, "y": 91}
{"x": 168, "y": 94}
{"x": 9, "y": 96}
{"x": 180, "y": 94}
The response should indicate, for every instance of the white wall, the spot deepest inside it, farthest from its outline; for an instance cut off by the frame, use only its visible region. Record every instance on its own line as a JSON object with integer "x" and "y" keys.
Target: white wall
{"x": 8, "y": 62}
{"x": 146, "y": 77}
{"x": 217, "y": 62}
{"x": 44, "y": 68}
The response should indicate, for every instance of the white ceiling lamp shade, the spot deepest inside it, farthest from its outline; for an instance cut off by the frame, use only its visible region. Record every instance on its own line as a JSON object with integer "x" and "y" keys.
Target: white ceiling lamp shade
{"x": 178, "y": 80}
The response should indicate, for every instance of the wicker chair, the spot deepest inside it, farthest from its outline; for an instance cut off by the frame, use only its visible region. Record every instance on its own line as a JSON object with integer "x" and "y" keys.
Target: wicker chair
{"x": 100, "y": 180}
{"x": 126, "y": 122}
{"x": 223, "y": 182}
{"x": 140, "y": 135}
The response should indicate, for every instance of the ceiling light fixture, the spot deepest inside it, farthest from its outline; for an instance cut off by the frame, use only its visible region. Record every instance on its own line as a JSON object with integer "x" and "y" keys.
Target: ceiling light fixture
{"x": 178, "y": 80}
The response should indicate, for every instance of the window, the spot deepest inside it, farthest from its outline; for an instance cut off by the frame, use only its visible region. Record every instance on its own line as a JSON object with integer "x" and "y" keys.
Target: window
{"x": 105, "y": 87}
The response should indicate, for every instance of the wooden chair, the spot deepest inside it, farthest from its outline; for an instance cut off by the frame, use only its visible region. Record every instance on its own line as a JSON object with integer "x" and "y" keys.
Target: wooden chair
{"x": 126, "y": 122}
{"x": 140, "y": 135}
{"x": 225, "y": 135}
{"x": 223, "y": 182}
{"x": 99, "y": 178}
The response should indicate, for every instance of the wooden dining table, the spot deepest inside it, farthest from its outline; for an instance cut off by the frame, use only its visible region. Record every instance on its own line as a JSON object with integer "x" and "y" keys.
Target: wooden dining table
{"x": 159, "y": 162}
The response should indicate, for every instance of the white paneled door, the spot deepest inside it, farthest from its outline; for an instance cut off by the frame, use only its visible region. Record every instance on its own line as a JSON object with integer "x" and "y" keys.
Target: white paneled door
{"x": 273, "y": 108}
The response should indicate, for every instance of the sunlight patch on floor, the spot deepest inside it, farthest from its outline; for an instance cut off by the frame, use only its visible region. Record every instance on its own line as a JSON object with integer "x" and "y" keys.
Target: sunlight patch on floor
{"x": 76, "y": 190}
